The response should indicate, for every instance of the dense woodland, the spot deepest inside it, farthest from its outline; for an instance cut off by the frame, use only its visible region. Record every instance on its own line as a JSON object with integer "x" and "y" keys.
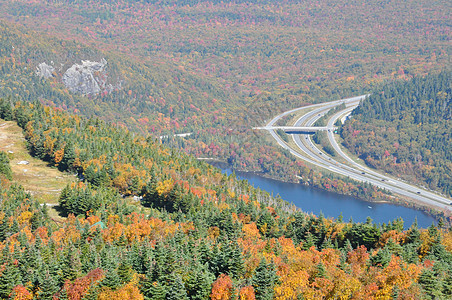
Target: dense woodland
{"x": 218, "y": 68}
{"x": 147, "y": 221}
{"x": 244, "y": 149}
{"x": 196, "y": 234}
{"x": 405, "y": 128}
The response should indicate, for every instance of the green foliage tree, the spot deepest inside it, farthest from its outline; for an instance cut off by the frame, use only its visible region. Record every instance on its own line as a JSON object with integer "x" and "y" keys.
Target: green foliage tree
{"x": 9, "y": 278}
{"x": 5, "y": 168}
{"x": 264, "y": 280}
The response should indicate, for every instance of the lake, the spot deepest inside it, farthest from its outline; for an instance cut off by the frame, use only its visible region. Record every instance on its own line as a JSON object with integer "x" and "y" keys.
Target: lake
{"x": 317, "y": 201}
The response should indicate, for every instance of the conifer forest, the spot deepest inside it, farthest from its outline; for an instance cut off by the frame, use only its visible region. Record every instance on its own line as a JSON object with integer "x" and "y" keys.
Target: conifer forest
{"x": 109, "y": 111}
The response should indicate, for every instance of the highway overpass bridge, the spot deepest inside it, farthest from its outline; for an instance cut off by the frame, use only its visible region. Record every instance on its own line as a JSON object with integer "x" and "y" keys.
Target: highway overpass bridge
{"x": 297, "y": 129}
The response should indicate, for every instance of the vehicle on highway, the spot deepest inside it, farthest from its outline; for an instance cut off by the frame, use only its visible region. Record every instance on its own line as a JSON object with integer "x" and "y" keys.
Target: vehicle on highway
{"x": 310, "y": 150}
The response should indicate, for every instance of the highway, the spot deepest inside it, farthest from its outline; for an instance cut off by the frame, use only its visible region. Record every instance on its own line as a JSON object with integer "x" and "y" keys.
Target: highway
{"x": 309, "y": 152}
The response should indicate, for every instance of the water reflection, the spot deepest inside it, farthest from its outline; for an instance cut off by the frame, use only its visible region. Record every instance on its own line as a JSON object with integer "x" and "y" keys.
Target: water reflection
{"x": 332, "y": 205}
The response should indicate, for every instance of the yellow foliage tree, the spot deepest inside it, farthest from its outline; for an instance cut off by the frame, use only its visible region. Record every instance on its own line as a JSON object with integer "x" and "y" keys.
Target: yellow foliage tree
{"x": 127, "y": 292}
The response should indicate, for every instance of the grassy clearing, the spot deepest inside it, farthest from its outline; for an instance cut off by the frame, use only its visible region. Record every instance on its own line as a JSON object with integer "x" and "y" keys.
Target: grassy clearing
{"x": 43, "y": 182}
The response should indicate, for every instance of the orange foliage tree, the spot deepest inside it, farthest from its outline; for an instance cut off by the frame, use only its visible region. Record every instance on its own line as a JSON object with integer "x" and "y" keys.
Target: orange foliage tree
{"x": 77, "y": 289}
{"x": 222, "y": 288}
{"x": 21, "y": 293}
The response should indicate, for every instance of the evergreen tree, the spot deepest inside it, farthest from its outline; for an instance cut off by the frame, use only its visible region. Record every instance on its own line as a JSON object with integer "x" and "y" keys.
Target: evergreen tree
{"x": 320, "y": 270}
{"x": 176, "y": 289}
{"x": 381, "y": 258}
{"x": 112, "y": 279}
{"x": 149, "y": 193}
{"x": 9, "y": 278}
{"x": 430, "y": 284}
{"x": 68, "y": 157}
{"x": 264, "y": 280}
{"x": 124, "y": 272}
{"x": 447, "y": 283}
{"x": 62, "y": 295}
{"x": 309, "y": 242}
{"x": 153, "y": 290}
{"x": 6, "y": 110}
{"x": 5, "y": 168}
{"x": 48, "y": 286}
{"x": 199, "y": 283}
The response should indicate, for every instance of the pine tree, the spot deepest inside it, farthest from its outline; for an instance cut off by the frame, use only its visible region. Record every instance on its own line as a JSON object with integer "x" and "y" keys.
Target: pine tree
{"x": 4, "y": 228}
{"x": 6, "y": 110}
{"x": 199, "y": 283}
{"x": 236, "y": 260}
{"x": 309, "y": 241}
{"x": 264, "y": 280}
{"x": 62, "y": 295}
{"x": 9, "y": 278}
{"x": 48, "y": 287}
{"x": 153, "y": 290}
{"x": 70, "y": 264}
{"x": 381, "y": 258}
{"x": 68, "y": 157}
{"x": 176, "y": 289}
{"x": 320, "y": 270}
{"x": 430, "y": 284}
{"x": 149, "y": 193}
{"x": 124, "y": 272}
{"x": 447, "y": 283}
{"x": 327, "y": 244}
{"x": 134, "y": 186}
{"x": 5, "y": 168}
{"x": 112, "y": 279}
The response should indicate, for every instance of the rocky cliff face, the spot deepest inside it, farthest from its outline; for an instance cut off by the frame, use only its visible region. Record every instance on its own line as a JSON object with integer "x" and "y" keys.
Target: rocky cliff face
{"x": 87, "y": 78}
{"x": 44, "y": 70}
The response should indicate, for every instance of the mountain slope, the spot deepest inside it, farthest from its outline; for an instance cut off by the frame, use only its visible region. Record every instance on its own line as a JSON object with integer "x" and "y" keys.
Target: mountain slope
{"x": 219, "y": 68}
{"x": 205, "y": 234}
{"x": 405, "y": 128}
{"x": 35, "y": 176}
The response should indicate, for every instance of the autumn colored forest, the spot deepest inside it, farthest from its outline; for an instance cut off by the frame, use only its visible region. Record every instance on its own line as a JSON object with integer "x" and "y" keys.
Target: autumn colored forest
{"x": 145, "y": 220}
{"x": 196, "y": 234}
{"x": 405, "y": 128}
{"x": 218, "y": 68}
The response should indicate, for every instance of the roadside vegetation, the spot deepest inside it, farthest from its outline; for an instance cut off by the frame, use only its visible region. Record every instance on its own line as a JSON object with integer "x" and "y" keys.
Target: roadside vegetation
{"x": 249, "y": 62}
{"x": 144, "y": 220}
{"x": 321, "y": 138}
{"x": 405, "y": 129}
{"x": 202, "y": 235}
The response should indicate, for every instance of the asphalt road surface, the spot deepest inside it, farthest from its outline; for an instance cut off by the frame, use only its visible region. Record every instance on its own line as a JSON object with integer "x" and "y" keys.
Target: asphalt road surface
{"x": 310, "y": 153}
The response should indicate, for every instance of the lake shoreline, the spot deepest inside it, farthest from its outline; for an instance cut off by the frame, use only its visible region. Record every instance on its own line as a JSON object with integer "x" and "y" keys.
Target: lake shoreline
{"x": 400, "y": 202}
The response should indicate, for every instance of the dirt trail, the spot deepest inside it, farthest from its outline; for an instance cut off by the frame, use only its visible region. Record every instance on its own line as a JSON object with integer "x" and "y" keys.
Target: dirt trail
{"x": 43, "y": 182}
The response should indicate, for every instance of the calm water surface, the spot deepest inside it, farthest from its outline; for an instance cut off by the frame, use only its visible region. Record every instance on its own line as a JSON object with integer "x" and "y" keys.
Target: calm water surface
{"x": 332, "y": 205}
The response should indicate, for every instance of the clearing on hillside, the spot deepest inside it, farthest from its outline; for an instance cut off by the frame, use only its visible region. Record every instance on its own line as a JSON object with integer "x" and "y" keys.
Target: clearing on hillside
{"x": 43, "y": 182}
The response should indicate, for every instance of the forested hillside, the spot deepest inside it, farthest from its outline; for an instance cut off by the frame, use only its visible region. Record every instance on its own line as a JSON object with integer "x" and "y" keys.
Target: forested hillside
{"x": 405, "y": 128}
{"x": 22, "y": 52}
{"x": 195, "y": 234}
{"x": 218, "y": 68}
{"x": 146, "y": 221}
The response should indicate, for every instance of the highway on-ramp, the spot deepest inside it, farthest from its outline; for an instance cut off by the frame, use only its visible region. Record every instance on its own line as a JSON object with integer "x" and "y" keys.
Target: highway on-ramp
{"x": 308, "y": 151}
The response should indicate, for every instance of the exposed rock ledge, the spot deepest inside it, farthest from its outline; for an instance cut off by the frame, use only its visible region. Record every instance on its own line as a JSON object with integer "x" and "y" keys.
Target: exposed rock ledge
{"x": 87, "y": 78}
{"x": 81, "y": 78}
{"x": 45, "y": 70}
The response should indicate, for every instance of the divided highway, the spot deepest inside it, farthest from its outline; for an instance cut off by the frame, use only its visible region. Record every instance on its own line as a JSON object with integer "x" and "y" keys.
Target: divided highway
{"x": 309, "y": 152}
